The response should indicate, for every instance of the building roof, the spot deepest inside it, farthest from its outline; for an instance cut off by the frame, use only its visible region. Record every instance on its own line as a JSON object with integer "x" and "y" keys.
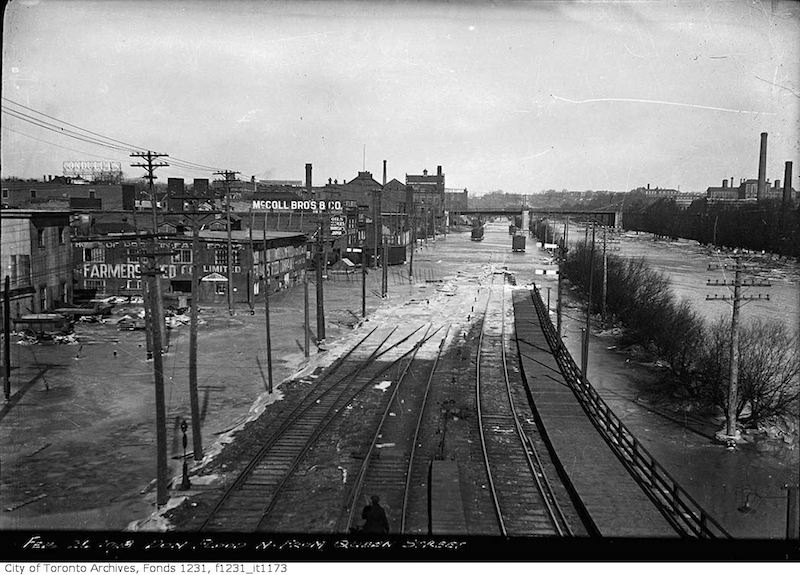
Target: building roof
{"x": 30, "y": 213}
{"x": 244, "y": 235}
{"x": 364, "y": 179}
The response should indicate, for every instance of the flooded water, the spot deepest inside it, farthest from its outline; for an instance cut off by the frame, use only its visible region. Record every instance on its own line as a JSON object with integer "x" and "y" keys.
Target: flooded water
{"x": 686, "y": 263}
{"x": 744, "y": 489}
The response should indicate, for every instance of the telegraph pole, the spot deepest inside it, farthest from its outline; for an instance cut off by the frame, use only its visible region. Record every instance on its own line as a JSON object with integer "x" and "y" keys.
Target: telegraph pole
{"x": 7, "y": 338}
{"x": 157, "y": 315}
{"x": 363, "y": 283}
{"x": 306, "y": 326}
{"x": 736, "y": 300}
{"x": 266, "y": 309}
{"x": 196, "y": 218}
{"x": 585, "y": 354}
{"x": 230, "y": 176}
{"x": 157, "y": 325}
{"x": 561, "y": 259}
{"x": 320, "y": 303}
{"x": 384, "y": 269}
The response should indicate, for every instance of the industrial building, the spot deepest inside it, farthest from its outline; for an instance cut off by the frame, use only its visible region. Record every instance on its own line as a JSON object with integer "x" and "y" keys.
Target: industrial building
{"x": 35, "y": 255}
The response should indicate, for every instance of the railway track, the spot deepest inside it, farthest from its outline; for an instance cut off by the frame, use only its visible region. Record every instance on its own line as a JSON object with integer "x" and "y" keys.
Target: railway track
{"x": 250, "y": 498}
{"x": 523, "y": 499}
{"x": 390, "y": 468}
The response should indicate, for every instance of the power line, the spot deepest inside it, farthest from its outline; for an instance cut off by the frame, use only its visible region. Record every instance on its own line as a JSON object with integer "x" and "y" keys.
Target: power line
{"x": 73, "y": 125}
{"x": 94, "y": 137}
{"x": 56, "y": 145}
{"x": 59, "y": 130}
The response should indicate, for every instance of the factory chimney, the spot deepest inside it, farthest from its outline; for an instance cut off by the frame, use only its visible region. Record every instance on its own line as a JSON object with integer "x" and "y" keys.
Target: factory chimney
{"x": 384, "y": 172}
{"x": 762, "y": 168}
{"x": 787, "y": 185}
{"x": 308, "y": 180}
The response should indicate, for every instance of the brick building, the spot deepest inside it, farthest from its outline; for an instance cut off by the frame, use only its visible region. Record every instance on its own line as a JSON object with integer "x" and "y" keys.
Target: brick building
{"x": 61, "y": 193}
{"x": 35, "y": 254}
{"x": 109, "y": 264}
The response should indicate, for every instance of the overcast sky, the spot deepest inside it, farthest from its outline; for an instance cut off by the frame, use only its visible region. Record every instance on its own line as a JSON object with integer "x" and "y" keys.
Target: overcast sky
{"x": 507, "y": 95}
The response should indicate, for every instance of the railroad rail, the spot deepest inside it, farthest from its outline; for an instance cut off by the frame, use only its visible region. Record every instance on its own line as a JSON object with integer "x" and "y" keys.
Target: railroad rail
{"x": 389, "y": 470}
{"x": 683, "y": 513}
{"x": 244, "y": 504}
{"x": 524, "y": 501}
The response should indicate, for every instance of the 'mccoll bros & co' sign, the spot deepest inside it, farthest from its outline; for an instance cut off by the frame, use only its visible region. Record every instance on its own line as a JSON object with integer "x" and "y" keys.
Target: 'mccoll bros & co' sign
{"x": 305, "y": 205}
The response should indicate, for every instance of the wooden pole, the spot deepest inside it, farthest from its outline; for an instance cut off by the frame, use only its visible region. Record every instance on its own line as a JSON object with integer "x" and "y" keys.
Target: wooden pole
{"x": 585, "y": 356}
{"x": 161, "y": 415}
{"x": 266, "y": 309}
{"x": 7, "y": 338}
{"x": 320, "y": 302}
{"x": 250, "y": 290}
{"x": 605, "y": 279}
{"x": 734, "y": 375}
{"x": 306, "y": 326}
{"x": 197, "y": 442}
{"x": 363, "y": 282}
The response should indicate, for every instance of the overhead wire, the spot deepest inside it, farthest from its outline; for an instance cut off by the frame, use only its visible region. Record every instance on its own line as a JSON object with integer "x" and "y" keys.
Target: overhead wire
{"x": 89, "y": 136}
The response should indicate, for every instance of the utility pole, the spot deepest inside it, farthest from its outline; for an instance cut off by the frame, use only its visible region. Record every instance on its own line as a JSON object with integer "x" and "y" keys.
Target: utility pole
{"x": 157, "y": 325}
{"x": 157, "y": 313}
{"x": 161, "y": 413}
{"x": 195, "y": 221}
{"x": 376, "y": 216}
{"x": 266, "y": 309}
{"x": 320, "y": 303}
{"x": 384, "y": 269}
{"x": 306, "y": 326}
{"x": 7, "y": 338}
{"x": 250, "y": 290}
{"x": 230, "y": 176}
{"x": 413, "y": 242}
{"x": 562, "y": 251}
{"x": 736, "y": 300}
{"x": 363, "y": 283}
{"x": 585, "y": 354}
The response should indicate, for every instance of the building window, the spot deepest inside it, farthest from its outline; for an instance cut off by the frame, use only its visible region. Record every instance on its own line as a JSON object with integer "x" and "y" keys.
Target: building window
{"x": 42, "y": 298}
{"x": 133, "y": 255}
{"x": 182, "y": 256}
{"x": 237, "y": 257}
{"x": 5, "y": 193}
{"x": 33, "y": 194}
{"x": 220, "y": 288}
{"x": 91, "y": 194}
{"x": 64, "y": 293}
{"x": 133, "y": 285}
{"x": 98, "y": 285}
{"x": 40, "y": 234}
{"x": 94, "y": 255}
{"x": 62, "y": 235}
{"x": 220, "y": 257}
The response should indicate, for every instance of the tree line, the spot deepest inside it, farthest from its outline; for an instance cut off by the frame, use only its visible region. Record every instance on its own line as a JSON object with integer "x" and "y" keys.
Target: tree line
{"x": 696, "y": 352}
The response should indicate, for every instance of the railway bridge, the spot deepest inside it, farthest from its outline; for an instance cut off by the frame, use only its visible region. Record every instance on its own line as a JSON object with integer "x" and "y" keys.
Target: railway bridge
{"x": 605, "y": 217}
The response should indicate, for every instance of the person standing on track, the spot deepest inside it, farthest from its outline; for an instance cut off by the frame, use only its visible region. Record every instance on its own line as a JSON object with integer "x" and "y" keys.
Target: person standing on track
{"x": 374, "y": 517}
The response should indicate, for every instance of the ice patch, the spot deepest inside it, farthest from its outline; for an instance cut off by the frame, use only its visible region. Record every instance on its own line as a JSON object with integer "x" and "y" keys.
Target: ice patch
{"x": 383, "y": 386}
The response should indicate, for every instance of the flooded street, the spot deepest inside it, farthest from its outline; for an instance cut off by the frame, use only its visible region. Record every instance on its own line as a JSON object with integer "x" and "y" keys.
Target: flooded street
{"x": 744, "y": 490}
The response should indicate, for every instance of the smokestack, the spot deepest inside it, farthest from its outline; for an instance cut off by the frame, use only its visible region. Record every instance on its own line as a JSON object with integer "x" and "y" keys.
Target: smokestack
{"x": 438, "y": 170}
{"x": 762, "y": 167}
{"x": 777, "y": 184}
{"x": 787, "y": 185}
{"x": 308, "y": 180}
{"x": 724, "y": 184}
{"x": 384, "y": 172}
